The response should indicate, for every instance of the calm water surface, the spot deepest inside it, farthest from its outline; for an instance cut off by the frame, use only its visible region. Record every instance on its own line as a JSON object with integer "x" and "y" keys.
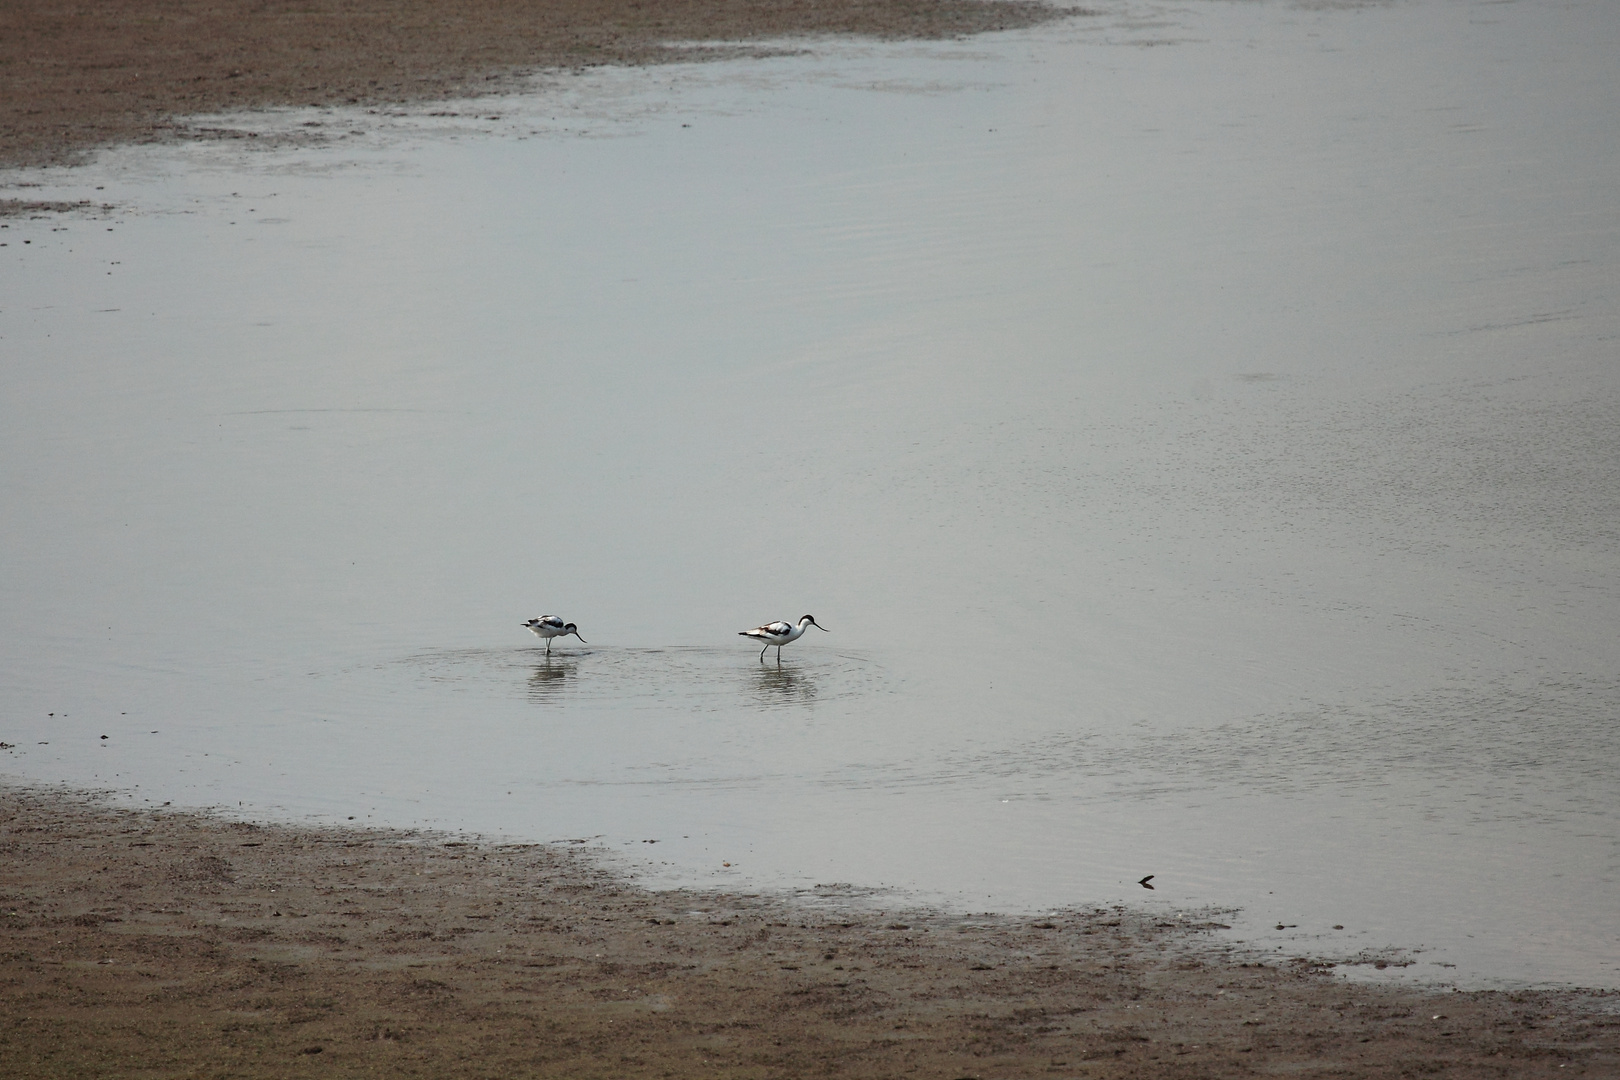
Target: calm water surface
{"x": 1197, "y": 428}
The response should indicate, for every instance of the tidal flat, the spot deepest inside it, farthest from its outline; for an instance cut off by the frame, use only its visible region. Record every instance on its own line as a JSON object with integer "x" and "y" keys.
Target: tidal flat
{"x": 1195, "y": 429}
{"x": 167, "y": 943}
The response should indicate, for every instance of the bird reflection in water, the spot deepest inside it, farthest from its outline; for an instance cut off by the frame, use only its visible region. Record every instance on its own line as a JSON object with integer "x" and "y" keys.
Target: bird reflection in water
{"x": 550, "y": 678}
{"x": 783, "y": 686}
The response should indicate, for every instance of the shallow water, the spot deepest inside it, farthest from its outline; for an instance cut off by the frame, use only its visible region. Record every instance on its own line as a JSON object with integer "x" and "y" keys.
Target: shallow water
{"x": 1196, "y": 427}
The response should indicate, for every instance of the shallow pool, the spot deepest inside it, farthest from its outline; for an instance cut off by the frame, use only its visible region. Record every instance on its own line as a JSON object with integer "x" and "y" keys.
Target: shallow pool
{"x": 1196, "y": 427}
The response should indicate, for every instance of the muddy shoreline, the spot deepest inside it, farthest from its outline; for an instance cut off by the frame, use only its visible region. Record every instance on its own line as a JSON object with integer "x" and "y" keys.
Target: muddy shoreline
{"x": 114, "y": 71}
{"x": 167, "y": 943}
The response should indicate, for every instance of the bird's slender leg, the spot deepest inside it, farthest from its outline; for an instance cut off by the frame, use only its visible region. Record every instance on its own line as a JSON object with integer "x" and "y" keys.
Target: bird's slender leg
{"x": 548, "y": 646}
{"x": 763, "y": 651}
{"x": 779, "y": 654}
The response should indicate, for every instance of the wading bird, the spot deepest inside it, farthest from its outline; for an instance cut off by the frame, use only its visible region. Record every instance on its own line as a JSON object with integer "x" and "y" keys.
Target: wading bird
{"x": 780, "y": 633}
{"x": 549, "y": 626}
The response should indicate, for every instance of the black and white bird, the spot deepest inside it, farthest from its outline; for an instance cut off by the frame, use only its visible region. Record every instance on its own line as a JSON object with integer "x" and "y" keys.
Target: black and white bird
{"x": 780, "y": 633}
{"x": 549, "y": 626}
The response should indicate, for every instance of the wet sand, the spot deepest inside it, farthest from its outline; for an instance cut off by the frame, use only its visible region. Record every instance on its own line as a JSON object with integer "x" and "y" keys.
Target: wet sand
{"x": 165, "y": 943}
{"x": 107, "y": 71}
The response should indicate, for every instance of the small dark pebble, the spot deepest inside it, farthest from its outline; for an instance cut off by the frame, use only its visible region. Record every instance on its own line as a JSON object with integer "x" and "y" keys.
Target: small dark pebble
{"x": 313, "y": 1049}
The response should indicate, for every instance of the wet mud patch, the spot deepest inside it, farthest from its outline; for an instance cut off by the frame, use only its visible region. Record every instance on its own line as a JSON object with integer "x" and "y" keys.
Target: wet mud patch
{"x": 52, "y": 207}
{"x": 435, "y": 952}
{"x": 106, "y": 72}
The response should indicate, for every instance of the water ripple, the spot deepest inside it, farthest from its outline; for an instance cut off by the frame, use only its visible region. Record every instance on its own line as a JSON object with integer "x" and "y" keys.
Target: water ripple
{"x": 688, "y": 678}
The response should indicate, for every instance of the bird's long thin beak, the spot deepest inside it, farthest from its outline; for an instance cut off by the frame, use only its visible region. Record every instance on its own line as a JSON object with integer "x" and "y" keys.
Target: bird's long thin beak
{"x": 818, "y": 626}
{"x": 576, "y": 634}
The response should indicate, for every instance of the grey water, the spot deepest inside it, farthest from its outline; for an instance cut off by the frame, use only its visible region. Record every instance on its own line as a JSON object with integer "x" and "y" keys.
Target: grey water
{"x": 1196, "y": 425}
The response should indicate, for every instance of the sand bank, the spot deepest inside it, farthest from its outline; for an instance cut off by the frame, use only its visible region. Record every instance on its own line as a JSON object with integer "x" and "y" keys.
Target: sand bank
{"x": 163, "y": 943}
{"x": 107, "y": 71}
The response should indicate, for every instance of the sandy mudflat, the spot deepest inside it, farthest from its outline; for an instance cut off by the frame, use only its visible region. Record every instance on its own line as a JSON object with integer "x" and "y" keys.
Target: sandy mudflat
{"x": 142, "y": 943}
{"x": 168, "y": 944}
{"x": 76, "y": 76}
